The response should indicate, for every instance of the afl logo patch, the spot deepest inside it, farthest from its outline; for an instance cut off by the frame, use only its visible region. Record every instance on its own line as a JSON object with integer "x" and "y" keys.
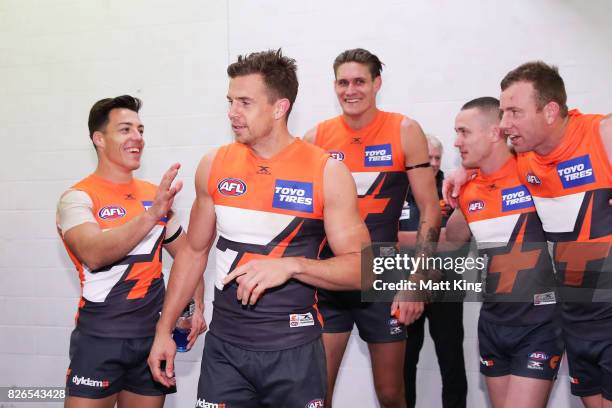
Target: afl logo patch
{"x": 316, "y": 403}
{"x": 476, "y": 205}
{"x": 110, "y": 212}
{"x": 533, "y": 179}
{"x": 336, "y": 155}
{"x": 539, "y": 356}
{"x": 232, "y": 187}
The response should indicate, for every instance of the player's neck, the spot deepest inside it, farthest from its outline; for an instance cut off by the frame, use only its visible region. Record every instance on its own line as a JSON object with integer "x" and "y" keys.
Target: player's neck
{"x": 113, "y": 174}
{"x": 269, "y": 146}
{"x": 496, "y": 160}
{"x": 554, "y": 138}
{"x": 357, "y": 122}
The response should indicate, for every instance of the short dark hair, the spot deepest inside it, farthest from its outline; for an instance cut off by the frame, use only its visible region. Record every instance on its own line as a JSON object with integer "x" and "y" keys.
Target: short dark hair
{"x": 278, "y": 71}
{"x": 362, "y": 57}
{"x": 98, "y": 115}
{"x": 486, "y": 104}
{"x": 546, "y": 81}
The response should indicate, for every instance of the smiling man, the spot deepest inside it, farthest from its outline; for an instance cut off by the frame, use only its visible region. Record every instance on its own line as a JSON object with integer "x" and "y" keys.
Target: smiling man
{"x": 384, "y": 151}
{"x": 114, "y": 227}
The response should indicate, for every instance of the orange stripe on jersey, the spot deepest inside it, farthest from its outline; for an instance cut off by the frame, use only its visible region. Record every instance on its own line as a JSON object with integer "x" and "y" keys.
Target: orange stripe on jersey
{"x": 370, "y": 204}
{"x": 508, "y": 265}
{"x": 141, "y": 274}
{"x": 277, "y": 252}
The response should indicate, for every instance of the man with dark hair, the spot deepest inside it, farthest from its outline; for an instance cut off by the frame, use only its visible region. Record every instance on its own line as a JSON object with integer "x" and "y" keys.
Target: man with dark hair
{"x": 113, "y": 227}
{"x": 384, "y": 151}
{"x": 271, "y": 199}
{"x": 564, "y": 160}
{"x": 445, "y": 314}
{"x": 518, "y": 328}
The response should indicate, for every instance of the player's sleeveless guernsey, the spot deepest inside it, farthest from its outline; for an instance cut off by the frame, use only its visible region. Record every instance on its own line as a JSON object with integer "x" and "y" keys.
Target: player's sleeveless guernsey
{"x": 375, "y": 157}
{"x": 121, "y": 300}
{"x": 502, "y": 218}
{"x": 571, "y": 187}
{"x": 267, "y": 209}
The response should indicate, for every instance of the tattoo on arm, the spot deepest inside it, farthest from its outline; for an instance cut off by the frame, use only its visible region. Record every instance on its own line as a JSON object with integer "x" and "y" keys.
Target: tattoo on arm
{"x": 426, "y": 242}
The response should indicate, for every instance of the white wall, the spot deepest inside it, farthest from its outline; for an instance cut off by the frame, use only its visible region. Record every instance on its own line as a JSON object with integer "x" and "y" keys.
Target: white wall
{"x": 58, "y": 57}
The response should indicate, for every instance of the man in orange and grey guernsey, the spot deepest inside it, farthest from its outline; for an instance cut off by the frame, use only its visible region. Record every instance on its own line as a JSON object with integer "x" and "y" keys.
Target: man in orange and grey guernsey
{"x": 519, "y": 328}
{"x": 271, "y": 199}
{"x": 114, "y": 227}
{"x": 564, "y": 160}
{"x": 384, "y": 151}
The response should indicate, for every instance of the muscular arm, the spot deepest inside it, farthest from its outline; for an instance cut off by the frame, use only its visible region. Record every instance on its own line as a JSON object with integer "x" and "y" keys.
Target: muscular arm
{"x": 173, "y": 249}
{"x": 423, "y": 186}
{"x": 97, "y": 248}
{"x": 345, "y": 231}
{"x": 187, "y": 270}
{"x": 190, "y": 261}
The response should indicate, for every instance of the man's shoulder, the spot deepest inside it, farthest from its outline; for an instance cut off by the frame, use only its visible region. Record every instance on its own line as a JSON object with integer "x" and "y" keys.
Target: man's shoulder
{"x": 145, "y": 184}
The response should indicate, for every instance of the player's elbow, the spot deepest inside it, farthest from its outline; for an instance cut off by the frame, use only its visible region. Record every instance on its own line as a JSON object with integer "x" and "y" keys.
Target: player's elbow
{"x": 93, "y": 262}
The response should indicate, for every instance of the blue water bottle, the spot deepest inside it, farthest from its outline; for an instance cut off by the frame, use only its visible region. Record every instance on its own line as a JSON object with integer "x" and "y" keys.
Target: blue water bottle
{"x": 183, "y": 327}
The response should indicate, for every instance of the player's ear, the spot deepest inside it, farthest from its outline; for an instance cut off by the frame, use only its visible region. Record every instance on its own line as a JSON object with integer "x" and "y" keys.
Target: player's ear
{"x": 551, "y": 112}
{"x": 377, "y": 83}
{"x": 98, "y": 139}
{"x": 497, "y": 132}
{"x": 281, "y": 107}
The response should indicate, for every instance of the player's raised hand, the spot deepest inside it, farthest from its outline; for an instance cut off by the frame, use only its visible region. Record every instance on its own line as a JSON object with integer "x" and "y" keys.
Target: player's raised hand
{"x": 164, "y": 197}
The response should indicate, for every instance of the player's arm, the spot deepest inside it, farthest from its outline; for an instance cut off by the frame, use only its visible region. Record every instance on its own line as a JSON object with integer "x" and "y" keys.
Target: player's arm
{"x": 173, "y": 245}
{"x": 345, "y": 231}
{"x": 187, "y": 269}
{"x": 97, "y": 248}
{"x": 408, "y": 306}
{"x": 311, "y": 135}
{"x": 422, "y": 185}
{"x": 456, "y": 232}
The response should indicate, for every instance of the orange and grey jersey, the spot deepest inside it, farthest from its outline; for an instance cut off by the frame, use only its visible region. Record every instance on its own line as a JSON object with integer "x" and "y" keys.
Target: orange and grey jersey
{"x": 375, "y": 157}
{"x": 123, "y": 299}
{"x": 520, "y": 286}
{"x": 571, "y": 188}
{"x": 267, "y": 209}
